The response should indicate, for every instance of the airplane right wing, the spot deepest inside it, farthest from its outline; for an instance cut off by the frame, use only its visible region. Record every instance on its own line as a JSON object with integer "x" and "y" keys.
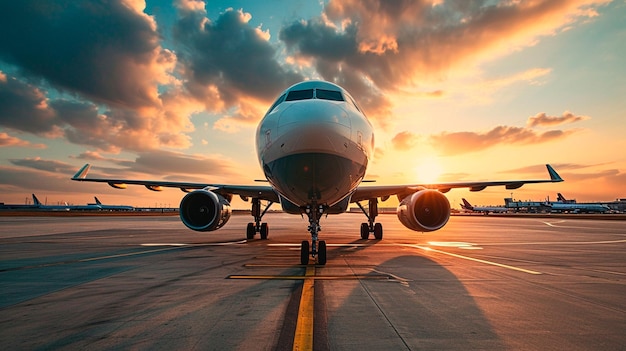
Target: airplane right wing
{"x": 385, "y": 191}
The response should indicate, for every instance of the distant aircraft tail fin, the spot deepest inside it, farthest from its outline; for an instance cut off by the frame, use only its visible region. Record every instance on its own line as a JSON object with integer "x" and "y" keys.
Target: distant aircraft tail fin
{"x": 97, "y": 201}
{"x": 467, "y": 205}
{"x": 36, "y": 200}
{"x": 560, "y": 197}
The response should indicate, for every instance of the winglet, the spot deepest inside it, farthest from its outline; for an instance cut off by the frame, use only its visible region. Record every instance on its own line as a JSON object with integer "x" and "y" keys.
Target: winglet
{"x": 82, "y": 173}
{"x": 555, "y": 177}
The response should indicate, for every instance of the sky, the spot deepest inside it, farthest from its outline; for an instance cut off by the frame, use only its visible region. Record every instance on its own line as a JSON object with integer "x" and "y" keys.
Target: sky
{"x": 456, "y": 90}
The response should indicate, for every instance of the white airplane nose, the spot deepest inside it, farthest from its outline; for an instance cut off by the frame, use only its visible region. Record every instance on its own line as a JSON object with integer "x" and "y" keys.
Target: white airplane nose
{"x": 303, "y": 129}
{"x": 314, "y": 111}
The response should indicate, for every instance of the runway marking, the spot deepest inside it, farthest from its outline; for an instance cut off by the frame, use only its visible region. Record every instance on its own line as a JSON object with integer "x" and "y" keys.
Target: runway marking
{"x": 226, "y": 243}
{"x": 316, "y": 277}
{"x": 552, "y": 224}
{"x": 473, "y": 259}
{"x": 457, "y": 244}
{"x": 559, "y": 243}
{"x": 303, "y": 338}
{"x": 169, "y": 247}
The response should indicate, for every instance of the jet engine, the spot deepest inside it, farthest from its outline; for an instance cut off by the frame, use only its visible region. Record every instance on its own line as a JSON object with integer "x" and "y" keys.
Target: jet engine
{"x": 425, "y": 211}
{"x": 204, "y": 210}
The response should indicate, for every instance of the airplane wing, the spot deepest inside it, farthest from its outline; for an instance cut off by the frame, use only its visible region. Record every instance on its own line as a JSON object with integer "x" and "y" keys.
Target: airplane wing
{"x": 385, "y": 191}
{"x": 245, "y": 191}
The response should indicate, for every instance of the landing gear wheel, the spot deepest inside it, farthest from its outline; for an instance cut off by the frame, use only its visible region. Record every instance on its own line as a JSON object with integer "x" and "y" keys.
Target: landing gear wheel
{"x": 265, "y": 230}
{"x": 321, "y": 252}
{"x": 365, "y": 231}
{"x": 378, "y": 231}
{"x": 250, "y": 231}
{"x": 304, "y": 253}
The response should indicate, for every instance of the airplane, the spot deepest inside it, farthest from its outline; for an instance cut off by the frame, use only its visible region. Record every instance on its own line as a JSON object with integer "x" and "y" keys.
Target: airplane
{"x": 4, "y": 206}
{"x": 112, "y": 207}
{"x": 467, "y": 206}
{"x": 39, "y": 205}
{"x": 564, "y": 205}
{"x": 313, "y": 145}
{"x": 561, "y": 198}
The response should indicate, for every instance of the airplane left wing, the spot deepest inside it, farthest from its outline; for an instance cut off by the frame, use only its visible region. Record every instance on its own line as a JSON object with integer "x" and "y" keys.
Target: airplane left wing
{"x": 246, "y": 191}
{"x": 385, "y": 191}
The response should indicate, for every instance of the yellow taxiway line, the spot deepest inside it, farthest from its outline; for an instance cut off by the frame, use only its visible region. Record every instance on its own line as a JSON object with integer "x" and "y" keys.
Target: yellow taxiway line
{"x": 303, "y": 339}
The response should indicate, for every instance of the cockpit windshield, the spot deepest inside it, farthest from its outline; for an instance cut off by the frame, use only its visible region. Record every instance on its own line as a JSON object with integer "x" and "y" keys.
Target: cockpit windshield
{"x": 308, "y": 94}
{"x": 300, "y": 95}
{"x": 328, "y": 95}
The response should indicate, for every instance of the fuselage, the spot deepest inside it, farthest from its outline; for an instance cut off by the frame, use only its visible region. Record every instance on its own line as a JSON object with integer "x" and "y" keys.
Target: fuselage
{"x": 579, "y": 207}
{"x": 314, "y": 145}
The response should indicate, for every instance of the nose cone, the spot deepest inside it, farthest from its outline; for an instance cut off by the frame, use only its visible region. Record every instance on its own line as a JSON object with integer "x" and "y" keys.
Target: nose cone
{"x": 311, "y": 158}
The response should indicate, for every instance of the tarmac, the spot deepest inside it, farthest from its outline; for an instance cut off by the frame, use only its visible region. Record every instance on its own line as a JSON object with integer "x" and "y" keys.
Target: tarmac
{"x": 480, "y": 283}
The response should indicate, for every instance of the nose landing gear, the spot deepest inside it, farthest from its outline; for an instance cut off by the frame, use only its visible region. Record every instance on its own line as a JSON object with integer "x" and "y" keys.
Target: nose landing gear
{"x": 318, "y": 247}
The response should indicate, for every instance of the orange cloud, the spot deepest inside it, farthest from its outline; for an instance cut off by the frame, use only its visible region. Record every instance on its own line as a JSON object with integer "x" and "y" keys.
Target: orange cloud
{"x": 465, "y": 142}
{"x": 404, "y": 140}
{"x": 402, "y": 43}
{"x": 543, "y": 120}
{"x": 6, "y": 141}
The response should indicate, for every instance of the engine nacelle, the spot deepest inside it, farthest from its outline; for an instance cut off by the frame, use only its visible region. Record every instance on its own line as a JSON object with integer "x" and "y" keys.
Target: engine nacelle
{"x": 204, "y": 211}
{"x": 425, "y": 211}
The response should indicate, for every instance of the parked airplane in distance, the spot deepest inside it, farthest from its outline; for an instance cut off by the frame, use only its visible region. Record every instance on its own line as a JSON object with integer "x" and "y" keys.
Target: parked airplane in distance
{"x": 112, "y": 207}
{"x": 486, "y": 209}
{"x": 38, "y": 205}
{"x": 314, "y": 144}
{"x": 564, "y": 205}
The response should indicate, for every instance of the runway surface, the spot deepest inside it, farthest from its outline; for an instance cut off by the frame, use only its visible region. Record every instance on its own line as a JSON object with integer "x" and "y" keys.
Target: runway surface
{"x": 149, "y": 283}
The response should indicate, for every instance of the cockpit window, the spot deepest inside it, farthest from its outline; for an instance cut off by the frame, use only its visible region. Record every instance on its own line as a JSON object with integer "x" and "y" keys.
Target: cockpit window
{"x": 354, "y": 103}
{"x": 278, "y": 101}
{"x": 299, "y": 95}
{"x": 328, "y": 95}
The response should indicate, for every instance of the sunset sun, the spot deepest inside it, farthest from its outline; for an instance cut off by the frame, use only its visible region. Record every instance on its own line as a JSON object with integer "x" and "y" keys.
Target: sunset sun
{"x": 428, "y": 170}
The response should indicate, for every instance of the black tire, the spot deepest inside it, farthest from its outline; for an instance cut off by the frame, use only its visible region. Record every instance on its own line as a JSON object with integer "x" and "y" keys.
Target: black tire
{"x": 265, "y": 231}
{"x": 321, "y": 252}
{"x": 365, "y": 231}
{"x": 250, "y": 231}
{"x": 378, "y": 231}
{"x": 304, "y": 253}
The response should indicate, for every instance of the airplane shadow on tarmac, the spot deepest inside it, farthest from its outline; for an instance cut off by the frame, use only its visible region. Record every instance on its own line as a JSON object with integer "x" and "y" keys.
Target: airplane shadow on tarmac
{"x": 423, "y": 306}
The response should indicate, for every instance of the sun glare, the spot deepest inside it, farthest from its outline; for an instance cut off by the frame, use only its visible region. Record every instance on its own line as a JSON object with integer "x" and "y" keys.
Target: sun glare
{"x": 428, "y": 171}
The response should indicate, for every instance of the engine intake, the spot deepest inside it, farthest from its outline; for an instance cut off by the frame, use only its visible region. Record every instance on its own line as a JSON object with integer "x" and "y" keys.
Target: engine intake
{"x": 204, "y": 211}
{"x": 425, "y": 211}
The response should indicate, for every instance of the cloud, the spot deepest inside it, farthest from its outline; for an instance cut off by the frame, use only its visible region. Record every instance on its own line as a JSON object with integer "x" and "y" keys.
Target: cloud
{"x": 7, "y": 141}
{"x": 543, "y": 120}
{"x": 107, "y": 51}
{"x": 465, "y": 142}
{"x": 44, "y": 165}
{"x": 26, "y": 108}
{"x": 391, "y": 44}
{"x": 404, "y": 140}
{"x": 227, "y": 60}
{"x": 159, "y": 164}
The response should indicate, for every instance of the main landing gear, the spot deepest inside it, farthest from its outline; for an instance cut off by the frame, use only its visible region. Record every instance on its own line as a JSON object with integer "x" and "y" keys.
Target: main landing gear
{"x": 371, "y": 226}
{"x": 257, "y": 226}
{"x": 318, "y": 247}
